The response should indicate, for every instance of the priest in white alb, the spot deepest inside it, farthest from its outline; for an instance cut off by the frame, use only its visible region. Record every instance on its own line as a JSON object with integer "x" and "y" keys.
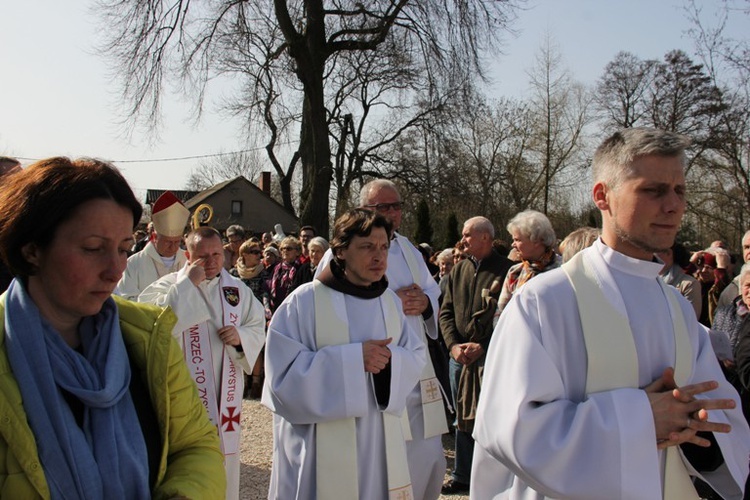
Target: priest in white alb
{"x": 340, "y": 363}
{"x": 418, "y": 293}
{"x": 599, "y": 382}
{"x": 162, "y": 255}
{"x": 220, "y": 327}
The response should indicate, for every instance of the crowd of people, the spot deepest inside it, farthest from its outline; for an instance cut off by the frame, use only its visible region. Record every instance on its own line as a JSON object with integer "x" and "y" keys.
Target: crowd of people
{"x": 613, "y": 363}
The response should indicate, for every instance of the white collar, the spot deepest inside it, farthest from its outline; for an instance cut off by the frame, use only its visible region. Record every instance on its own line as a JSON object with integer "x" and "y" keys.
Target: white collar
{"x": 629, "y": 265}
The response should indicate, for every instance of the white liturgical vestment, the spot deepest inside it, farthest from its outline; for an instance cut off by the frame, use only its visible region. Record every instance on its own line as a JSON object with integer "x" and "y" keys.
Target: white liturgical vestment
{"x": 144, "y": 268}
{"x": 305, "y": 385}
{"x": 537, "y": 433}
{"x": 196, "y": 305}
{"x": 425, "y": 453}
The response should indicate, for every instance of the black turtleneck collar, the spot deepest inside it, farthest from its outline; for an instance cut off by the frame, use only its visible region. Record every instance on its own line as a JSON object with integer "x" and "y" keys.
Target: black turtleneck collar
{"x": 333, "y": 276}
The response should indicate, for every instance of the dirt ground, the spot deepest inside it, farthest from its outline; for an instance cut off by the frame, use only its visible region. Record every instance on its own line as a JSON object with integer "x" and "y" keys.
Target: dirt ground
{"x": 257, "y": 442}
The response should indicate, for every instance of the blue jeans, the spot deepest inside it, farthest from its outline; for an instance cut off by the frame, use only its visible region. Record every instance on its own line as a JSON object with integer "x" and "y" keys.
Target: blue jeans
{"x": 464, "y": 441}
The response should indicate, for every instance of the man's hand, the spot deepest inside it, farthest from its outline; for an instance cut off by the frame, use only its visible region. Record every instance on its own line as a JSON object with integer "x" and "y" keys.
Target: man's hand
{"x": 229, "y": 335}
{"x": 467, "y": 352}
{"x": 473, "y": 351}
{"x": 413, "y": 299}
{"x": 376, "y": 354}
{"x": 678, "y": 415}
{"x": 195, "y": 272}
{"x": 457, "y": 353}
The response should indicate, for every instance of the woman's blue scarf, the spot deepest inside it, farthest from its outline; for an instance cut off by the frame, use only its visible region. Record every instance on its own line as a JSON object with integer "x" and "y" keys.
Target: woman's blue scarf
{"x": 106, "y": 457}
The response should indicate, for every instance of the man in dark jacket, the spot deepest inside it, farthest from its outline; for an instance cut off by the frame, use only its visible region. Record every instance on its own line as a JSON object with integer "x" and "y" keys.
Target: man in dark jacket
{"x": 466, "y": 323}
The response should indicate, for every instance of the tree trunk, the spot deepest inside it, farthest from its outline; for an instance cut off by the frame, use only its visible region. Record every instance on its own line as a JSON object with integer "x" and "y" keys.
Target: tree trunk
{"x": 310, "y": 53}
{"x": 315, "y": 153}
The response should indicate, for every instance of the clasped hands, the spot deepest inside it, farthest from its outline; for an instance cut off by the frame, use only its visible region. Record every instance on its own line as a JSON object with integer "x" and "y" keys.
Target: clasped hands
{"x": 679, "y": 415}
{"x": 413, "y": 299}
{"x": 467, "y": 352}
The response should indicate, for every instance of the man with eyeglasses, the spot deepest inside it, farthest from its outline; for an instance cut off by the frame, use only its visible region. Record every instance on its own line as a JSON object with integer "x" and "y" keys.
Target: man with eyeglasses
{"x": 409, "y": 277}
{"x": 160, "y": 256}
{"x": 236, "y": 237}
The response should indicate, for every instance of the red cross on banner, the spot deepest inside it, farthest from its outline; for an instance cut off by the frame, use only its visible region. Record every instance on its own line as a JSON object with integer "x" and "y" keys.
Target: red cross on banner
{"x": 230, "y": 418}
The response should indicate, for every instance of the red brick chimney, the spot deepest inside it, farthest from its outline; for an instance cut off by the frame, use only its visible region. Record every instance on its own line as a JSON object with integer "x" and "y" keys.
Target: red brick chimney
{"x": 264, "y": 183}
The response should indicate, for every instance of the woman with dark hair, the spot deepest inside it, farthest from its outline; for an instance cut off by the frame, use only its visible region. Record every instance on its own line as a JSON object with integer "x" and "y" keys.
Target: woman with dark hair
{"x": 98, "y": 402}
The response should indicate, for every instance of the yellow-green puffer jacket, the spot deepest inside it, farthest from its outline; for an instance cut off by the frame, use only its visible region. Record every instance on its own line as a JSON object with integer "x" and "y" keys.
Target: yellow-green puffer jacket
{"x": 191, "y": 464}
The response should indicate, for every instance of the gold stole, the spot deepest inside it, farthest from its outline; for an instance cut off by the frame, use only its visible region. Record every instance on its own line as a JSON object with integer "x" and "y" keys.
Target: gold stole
{"x": 612, "y": 357}
{"x": 433, "y": 412}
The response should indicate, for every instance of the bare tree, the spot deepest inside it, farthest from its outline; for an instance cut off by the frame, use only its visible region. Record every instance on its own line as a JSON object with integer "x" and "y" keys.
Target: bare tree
{"x": 223, "y": 167}
{"x": 561, "y": 111}
{"x": 621, "y": 90}
{"x": 683, "y": 99}
{"x": 375, "y": 103}
{"x": 724, "y": 182}
{"x": 292, "y": 46}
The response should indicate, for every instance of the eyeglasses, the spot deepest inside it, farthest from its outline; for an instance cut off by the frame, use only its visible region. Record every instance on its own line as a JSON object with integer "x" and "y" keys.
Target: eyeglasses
{"x": 290, "y": 248}
{"x": 385, "y": 207}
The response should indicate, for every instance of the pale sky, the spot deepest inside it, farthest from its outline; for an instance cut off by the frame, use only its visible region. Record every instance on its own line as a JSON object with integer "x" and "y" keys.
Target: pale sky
{"x": 57, "y": 98}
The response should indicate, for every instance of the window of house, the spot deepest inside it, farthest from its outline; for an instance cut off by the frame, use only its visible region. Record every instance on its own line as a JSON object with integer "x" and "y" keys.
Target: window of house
{"x": 236, "y": 207}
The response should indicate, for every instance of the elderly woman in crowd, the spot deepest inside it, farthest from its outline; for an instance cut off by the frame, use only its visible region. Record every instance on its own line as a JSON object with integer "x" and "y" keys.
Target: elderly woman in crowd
{"x": 534, "y": 240}
{"x": 733, "y": 322}
{"x": 283, "y": 276}
{"x": 732, "y": 319}
{"x": 316, "y": 248}
{"x": 249, "y": 267}
{"x": 445, "y": 264}
{"x": 98, "y": 402}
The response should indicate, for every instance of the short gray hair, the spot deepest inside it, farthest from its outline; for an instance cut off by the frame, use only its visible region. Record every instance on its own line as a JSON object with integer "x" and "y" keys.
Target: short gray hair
{"x": 481, "y": 224}
{"x": 318, "y": 241}
{"x": 535, "y": 225}
{"x": 235, "y": 230}
{"x": 445, "y": 255}
{"x": 613, "y": 159}
{"x": 364, "y": 194}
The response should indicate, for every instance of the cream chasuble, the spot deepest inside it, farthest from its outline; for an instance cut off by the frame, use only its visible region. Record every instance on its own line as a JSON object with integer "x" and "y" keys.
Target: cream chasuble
{"x": 612, "y": 358}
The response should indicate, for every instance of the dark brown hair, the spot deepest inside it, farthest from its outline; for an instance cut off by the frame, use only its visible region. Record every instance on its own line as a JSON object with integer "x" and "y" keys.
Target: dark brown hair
{"x": 356, "y": 222}
{"x": 35, "y": 201}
